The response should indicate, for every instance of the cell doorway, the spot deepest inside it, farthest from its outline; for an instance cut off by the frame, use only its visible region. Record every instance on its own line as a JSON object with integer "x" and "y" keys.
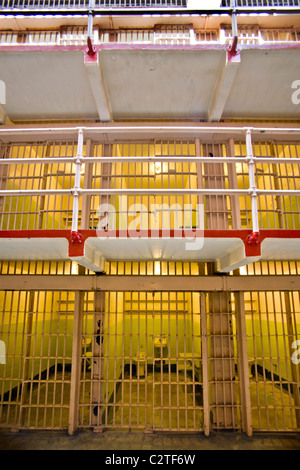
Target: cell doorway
{"x": 141, "y": 362}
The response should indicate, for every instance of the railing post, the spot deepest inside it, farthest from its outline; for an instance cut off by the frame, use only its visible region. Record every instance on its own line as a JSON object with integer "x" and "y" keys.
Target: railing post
{"x": 253, "y": 239}
{"x": 233, "y": 48}
{"x": 91, "y": 50}
{"x": 77, "y": 189}
{"x": 76, "y": 360}
{"x": 234, "y": 19}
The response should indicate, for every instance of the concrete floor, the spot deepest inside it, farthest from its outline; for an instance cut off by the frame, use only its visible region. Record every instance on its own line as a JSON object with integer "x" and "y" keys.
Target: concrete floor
{"x": 121, "y": 441}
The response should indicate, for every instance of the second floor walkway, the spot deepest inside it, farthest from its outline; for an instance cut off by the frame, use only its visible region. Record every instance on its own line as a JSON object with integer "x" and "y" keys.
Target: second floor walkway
{"x": 228, "y": 194}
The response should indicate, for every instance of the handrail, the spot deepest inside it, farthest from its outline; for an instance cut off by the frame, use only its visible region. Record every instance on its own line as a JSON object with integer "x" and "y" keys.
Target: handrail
{"x": 109, "y": 129}
{"x": 158, "y": 158}
{"x": 79, "y": 159}
{"x": 77, "y": 36}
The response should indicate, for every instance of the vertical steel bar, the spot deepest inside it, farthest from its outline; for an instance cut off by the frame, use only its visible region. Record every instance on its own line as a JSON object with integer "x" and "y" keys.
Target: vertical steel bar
{"x": 278, "y": 202}
{"x": 221, "y": 345}
{"x": 24, "y": 392}
{"x": 76, "y": 361}
{"x": 78, "y": 163}
{"x": 291, "y": 336}
{"x": 97, "y": 392}
{"x": 4, "y": 175}
{"x": 41, "y": 208}
{"x": 252, "y": 185}
{"x": 204, "y": 359}
{"x": 234, "y": 19}
{"x": 243, "y": 363}
{"x": 90, "y": 18}
{"x": 87, "y": 183}
{"x": 233, "y": 184}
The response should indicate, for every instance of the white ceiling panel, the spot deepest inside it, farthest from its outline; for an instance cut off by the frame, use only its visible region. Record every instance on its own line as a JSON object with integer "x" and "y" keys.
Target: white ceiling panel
{"x": 46, "y": 86}
{"x": 146, "y": 83}
{"x": 160, "y": 84}
{"x": 262, "y": 88}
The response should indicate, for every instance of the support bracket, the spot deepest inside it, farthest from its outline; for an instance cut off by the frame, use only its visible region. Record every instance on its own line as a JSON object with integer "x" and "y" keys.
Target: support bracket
{"x": 232, "y": 50}
{"x": 91, "y": 50}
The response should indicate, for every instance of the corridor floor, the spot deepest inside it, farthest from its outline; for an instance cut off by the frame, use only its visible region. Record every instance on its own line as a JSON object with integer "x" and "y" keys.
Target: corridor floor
{"x": 119, "y": 441}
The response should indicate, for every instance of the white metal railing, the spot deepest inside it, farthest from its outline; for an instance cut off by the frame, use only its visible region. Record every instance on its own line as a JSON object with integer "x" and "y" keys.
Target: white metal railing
{"x": 261, "y": 3}
{"x": 172, "y": 35}
{"x": 76, "y": 191}
{"x": 253, "y": 34}
{"x": 83, "y": 5}
{"x": 185, "y": 5}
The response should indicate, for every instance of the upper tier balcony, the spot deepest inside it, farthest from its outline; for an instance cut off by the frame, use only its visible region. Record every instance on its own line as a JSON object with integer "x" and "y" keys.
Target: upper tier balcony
{"x": 160, "y": 71}
{"x": 227, "y": 195}
{"x": 159, "y": 34}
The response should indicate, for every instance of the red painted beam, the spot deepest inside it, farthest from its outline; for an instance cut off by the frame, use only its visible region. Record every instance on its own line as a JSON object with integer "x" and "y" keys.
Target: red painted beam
{"x": 76, "y": 240}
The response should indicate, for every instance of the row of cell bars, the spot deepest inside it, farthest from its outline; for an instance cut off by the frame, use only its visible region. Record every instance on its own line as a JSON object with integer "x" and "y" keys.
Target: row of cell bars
{"x": 168, "y": 34}
{"x": 261, "y": 3}
{"x": 148, "y": 211}
{"x": 150, "y": 372}
{"x": 84, "y": 4}
{"x": 7, "y": 4}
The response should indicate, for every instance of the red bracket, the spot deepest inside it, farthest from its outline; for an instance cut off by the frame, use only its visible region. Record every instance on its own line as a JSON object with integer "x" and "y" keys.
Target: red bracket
{"x": 91, "y": 50}
{"x": 253, "y": 239}
{"x": 76, "y": 238}
{"x": 232, "y": 49}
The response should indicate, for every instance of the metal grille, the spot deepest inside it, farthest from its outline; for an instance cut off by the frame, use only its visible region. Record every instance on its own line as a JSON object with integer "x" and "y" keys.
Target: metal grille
{"x": 173, "y": 34}
{"x": 128, "y": 207}
{"x": 248, "y": 34}
{"x": 84, "y": 4}
{"x": 272, "y": 328}
{"x": 282, "y": 35}
{"x": 126, "y": 35}
{"x": 168, "y": 361}
{"x": 273, "y": 332}
{"x": 35, "y": 379}
{"x": 162, "y": 34}
{"x": 223, "y": 363}
{"x": 151, "y": 268}
{"x": 207, "y": 35}
{"x": 148, "y": 374}
{"x": 140, "y": 212}
{"x": 37, "y": 212}
{"x": 261, "y": 3}
{"x": 140, "y": 3}
{"x": 99, "y": 4}
{"x": 253, "y": 34}
{"x": 273, "y": 211}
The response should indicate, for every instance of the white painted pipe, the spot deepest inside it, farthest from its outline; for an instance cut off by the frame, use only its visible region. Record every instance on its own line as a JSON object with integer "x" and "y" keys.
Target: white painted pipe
{"x": 234, "y": 19}
{"x": 34, "y": 192}
{"x": 148, "y": 192}
{"x": 90, "y": 19}
{"x": 139, "y": 159}
{"x": 76, "y": 189}
{"x": 128, "y": 159}
{"x": 155, "y": 129}
{"x": 252, "y": 188}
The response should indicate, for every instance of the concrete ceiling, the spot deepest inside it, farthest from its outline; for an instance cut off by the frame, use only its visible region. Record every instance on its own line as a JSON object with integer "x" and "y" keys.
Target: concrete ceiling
{"x": 148, "y": 83}
{"x": 262, "y": 87}
{"x": 46, "y": 86}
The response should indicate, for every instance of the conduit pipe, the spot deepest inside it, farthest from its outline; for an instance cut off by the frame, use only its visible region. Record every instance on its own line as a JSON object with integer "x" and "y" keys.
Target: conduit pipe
{"x": 233, "y": 47}
{"x": 140, "y": 159}
{"x": 253, "y": 238}
{"x": 75, "y": 236}
{"x": 91, "y": 50}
